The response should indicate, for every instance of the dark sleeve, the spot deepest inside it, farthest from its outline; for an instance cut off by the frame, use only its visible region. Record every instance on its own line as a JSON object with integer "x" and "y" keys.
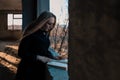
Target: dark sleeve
{"x": 25, "y": 49}
{"x": 41, "y": 48}
{"x": 32, "y": 46}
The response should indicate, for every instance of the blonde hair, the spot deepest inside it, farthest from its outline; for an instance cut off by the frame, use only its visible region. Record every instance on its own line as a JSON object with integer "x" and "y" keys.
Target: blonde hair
{"x": 38, "y": 23}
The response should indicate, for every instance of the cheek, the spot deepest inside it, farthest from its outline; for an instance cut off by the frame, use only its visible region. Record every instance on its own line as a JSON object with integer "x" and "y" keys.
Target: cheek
{"x": 52, "y": 27}
{"x": 45, "y": 26}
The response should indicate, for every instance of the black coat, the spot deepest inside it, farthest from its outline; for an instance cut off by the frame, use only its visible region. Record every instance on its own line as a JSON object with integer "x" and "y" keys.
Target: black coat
{"x": 30, "y": 68}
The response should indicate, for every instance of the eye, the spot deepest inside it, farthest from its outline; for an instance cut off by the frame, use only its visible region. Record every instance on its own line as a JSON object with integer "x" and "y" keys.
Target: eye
{"x": 50, "y": 23}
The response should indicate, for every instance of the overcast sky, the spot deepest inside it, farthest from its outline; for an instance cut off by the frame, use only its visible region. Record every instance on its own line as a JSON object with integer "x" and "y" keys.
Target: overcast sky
{"x": 60, "y": 9}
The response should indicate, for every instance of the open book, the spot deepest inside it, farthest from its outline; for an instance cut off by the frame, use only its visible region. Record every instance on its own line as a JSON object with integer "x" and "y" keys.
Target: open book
{"x": 62, "y": 64}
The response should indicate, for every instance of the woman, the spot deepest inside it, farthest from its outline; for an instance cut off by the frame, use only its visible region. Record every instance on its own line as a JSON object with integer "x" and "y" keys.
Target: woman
{"x": 35, "y": 43}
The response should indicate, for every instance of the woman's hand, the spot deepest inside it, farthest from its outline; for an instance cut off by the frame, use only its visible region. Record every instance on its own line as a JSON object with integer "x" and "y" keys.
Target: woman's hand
{"x": 59, "y": 57}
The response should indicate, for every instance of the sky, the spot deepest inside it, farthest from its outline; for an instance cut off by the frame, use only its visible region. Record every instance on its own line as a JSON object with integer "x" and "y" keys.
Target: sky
{"x": 60, "y": 9}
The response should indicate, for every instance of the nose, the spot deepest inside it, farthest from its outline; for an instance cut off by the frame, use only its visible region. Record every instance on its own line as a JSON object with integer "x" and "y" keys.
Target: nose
{"x": 50, "y": 25}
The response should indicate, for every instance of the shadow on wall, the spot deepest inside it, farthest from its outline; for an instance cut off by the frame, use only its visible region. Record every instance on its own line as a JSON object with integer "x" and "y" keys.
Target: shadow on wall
{"x": 10, "y": 35}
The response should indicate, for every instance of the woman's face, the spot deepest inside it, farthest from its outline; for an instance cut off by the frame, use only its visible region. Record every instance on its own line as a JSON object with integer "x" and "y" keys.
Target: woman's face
{"x": 49, "y": 25}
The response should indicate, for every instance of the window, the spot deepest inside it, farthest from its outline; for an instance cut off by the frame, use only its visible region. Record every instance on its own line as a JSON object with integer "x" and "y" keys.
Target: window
{"x": 14, "y": 21}
{"x": 59, "y": 35}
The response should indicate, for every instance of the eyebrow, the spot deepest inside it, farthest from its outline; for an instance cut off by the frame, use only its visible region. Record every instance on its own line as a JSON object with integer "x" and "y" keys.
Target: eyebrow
{"x": 50, "y": 23}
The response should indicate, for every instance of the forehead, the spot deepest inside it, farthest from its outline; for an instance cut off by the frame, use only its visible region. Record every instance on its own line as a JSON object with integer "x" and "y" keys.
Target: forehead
{"x": 51, "y": 20}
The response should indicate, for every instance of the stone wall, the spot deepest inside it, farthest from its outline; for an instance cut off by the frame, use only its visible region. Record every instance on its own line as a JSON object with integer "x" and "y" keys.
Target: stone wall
{"x": 94, "y": 40}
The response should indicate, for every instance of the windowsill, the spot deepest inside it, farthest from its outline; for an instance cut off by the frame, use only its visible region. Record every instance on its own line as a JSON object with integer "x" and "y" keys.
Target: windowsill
{"x": 61, "y": 64}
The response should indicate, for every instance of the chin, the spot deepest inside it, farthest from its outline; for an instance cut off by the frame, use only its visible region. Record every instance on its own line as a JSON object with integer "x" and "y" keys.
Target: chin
{"x": 47, "y": 30}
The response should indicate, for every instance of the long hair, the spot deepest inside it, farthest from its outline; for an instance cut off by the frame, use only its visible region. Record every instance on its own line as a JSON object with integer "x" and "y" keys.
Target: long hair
{"x": 38, "y": 23}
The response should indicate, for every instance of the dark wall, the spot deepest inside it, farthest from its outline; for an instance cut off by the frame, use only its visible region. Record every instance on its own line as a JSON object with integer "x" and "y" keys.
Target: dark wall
{"x": 6, "y": 34}
{"x": 10, "y": 4}
{"x": 94, "y": 40}
{"x": 3, "y": 21}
